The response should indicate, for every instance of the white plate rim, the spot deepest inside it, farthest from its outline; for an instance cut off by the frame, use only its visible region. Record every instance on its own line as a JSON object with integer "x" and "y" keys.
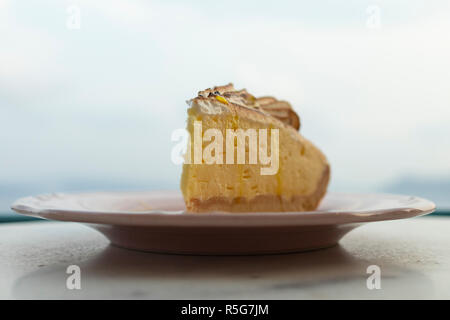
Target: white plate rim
{"x": 224, "y": 219}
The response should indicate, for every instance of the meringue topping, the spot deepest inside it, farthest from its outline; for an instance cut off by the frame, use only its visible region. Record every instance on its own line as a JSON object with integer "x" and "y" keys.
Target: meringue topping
{"x": 279, "y": 109}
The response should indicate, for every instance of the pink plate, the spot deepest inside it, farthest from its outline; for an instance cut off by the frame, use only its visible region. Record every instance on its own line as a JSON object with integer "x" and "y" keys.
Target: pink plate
{"x": 156, "y": 221}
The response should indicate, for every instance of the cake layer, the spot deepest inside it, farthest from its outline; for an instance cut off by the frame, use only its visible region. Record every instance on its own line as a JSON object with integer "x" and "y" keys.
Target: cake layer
{"x": 262, "y": 203}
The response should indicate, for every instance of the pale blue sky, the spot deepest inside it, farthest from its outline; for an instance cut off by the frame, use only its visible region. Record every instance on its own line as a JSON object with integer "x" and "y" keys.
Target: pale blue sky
{"x": 99, "y": 104}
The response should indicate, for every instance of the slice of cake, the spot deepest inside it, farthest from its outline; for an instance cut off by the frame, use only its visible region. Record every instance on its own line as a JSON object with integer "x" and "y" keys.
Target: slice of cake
{"x": 245, "y": 155}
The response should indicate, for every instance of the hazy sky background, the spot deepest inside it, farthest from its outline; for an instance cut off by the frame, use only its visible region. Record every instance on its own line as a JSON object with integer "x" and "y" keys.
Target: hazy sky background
{"x": 94, "y": 108}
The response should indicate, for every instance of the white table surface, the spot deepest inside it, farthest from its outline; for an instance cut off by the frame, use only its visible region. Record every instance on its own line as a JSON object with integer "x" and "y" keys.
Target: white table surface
{"x": 413, "y": 254}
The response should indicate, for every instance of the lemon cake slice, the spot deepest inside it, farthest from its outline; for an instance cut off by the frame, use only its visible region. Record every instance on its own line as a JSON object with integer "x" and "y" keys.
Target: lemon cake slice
{"x": 245, "y": 154}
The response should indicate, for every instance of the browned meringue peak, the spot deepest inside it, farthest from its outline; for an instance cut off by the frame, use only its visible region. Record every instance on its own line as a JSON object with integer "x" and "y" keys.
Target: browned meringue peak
{"x": 279, "y": 109}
